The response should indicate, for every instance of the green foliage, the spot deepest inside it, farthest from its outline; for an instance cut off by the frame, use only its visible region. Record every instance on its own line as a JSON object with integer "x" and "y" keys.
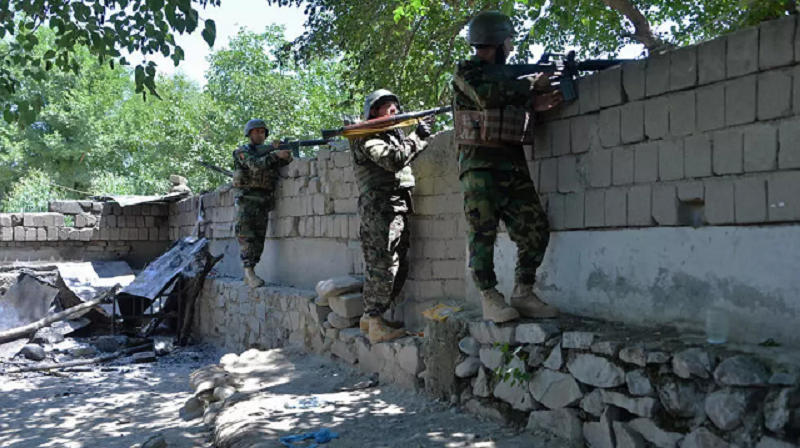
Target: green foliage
{"x": 95, "y": 134}
{"x": 506, "y": 372}
{"x": 411, "y": 46}
{"x": 104, "y": 29}
{"x": 31, "y": 194}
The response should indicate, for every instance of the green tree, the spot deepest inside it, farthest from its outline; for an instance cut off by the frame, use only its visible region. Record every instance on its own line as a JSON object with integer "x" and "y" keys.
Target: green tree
{"x": 411, "y": 45}
{"x": 103, "y": 28}
{"x": 254, "y": 78}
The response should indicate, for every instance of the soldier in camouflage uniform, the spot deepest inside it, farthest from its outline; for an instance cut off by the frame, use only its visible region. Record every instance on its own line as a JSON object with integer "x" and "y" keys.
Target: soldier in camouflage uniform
{"x": 495, "y": 178}
{"x": 255, "y": 174}
{"x": 385, "y": 182}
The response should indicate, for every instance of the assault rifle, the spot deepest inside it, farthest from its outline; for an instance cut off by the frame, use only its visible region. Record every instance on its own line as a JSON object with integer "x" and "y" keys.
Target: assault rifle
{"x": 568, "y": 68}
{"x": 261, "y": 150}
{"x": 379, "y": 124}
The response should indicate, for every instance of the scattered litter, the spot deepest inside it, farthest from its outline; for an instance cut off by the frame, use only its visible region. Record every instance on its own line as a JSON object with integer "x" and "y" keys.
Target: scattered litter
{"x": 322, "y": 436}
{"x": 306, "y": 403}
{"x": 440, "y": 312}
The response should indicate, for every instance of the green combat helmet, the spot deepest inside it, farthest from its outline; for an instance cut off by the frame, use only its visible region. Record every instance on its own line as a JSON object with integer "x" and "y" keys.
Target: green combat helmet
{"x": 255, "y": 124}
{"x": 489, "y": 28}
{"x": 376, "y": 96}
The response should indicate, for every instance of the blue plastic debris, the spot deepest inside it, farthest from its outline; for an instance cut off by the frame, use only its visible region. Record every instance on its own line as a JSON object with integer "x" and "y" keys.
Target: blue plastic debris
{"x": 324, "y": 435}
{"x": 306, "y": 403}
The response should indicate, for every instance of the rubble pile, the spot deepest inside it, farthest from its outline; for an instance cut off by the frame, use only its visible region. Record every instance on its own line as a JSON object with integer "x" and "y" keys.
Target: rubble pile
{"x": 340, "y": 299}
{"x": 619, "y": 389}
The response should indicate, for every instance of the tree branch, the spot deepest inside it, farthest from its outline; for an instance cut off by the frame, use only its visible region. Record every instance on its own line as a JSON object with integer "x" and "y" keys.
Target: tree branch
{"x": 642, "y": 31}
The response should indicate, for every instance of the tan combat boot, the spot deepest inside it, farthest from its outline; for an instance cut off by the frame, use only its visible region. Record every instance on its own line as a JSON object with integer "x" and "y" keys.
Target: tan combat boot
{"x": 528, "y": 303}
{"x": 380, "y": 332}
{"x": 252, "y": 279}
{"x": 495, "y": 308}
{"x": 363, "y": 324}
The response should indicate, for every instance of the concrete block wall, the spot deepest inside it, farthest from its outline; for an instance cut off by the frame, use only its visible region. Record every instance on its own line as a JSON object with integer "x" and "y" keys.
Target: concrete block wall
{"x": 721, "y": 119}
{"x": 84, "y": 230}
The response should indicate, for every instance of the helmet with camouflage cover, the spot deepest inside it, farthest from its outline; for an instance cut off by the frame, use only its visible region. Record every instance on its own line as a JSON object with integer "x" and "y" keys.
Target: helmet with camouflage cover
{"x": 374, "y": 97}
{"x": 489, "y": 28}
{"x": 255, "y": 124}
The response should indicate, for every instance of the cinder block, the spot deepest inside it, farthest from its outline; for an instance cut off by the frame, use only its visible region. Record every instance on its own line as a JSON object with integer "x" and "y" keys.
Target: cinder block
{"x": 657, "y": 74}
{"x": 639, "y": 210}
{"x": 670, "y": 160}
{"x": 548, "y": 175}
{"x": 556, "y": 211}
{"x": 594, "y": 208}
{"x": 19, "y": 233}
{"x": 665, "y": 205}
{"x": 632, "y": 122}
{"x": 697, "y": 153}
{"x": 682, "y": 113}
{"x": 568, "y": 178}
{"x": 542, "y": 145}
{"x": 163, "y": 234}
{"x": 633, "y": 79}
{"x": 589, "y": 90}
{"x": 789, "y": 139}
{"x": 49, "y": 219}
{"x": 742, "y": 52}
{"x": 656, "y": 117}
{"x": 683, "y": 68}
{"x": 58, "y": 220}
{"x": 585, "y": 133}
{"x": 5, "y": 220}
{"x": 645, "y": 165}
{"x": 774, "y": 100}
{"x": 750, "y": 200}
{"x": 611, "y": 92}
{"x": 622, "y": 163}
{"x": 63, "y": 233}
{"x": 691, "y": 191}
{"x": 784, "y": 196}
{"x": 7, "y": 234}
{"x": 728, "y": 152}
{"x": 41, "y": 234}
{"x": 616, "y": 207}
{"x": 740, "y": 101}
{"x": 711, "y": 60}
{"x": 561, "y": 137}
{"x": 65, "y": 207}
{"x": 610, "y": 127}
{"x": 760, "y": 148}
{"x": 30, "y": 234}
{"x": 719, "y": 201}
{"x": 711, "y": 107}
{"x": 573, "y": 204}
{"x": 776, "y": 43}
{"x": 599, "y": 167}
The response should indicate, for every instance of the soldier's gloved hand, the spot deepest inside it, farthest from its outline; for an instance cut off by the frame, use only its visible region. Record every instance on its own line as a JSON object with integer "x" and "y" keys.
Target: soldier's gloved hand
{"x": 424, "y": 127}
{"x": 284, "y": 154}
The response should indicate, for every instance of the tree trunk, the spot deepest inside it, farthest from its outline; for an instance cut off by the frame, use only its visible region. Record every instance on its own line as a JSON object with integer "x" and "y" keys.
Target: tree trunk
{"x": 16, "y": 333}
{"x": 642, "y": 31}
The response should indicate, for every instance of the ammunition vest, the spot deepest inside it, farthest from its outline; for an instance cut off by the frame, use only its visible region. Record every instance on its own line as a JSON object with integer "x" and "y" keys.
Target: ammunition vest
{"x": 244, "y": 177}
{"x": 370, "y": 175}
{"x": 494, "y": 127}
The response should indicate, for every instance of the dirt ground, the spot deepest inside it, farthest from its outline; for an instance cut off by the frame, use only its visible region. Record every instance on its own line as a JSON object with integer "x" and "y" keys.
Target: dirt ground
{"x": 121, "y": 406}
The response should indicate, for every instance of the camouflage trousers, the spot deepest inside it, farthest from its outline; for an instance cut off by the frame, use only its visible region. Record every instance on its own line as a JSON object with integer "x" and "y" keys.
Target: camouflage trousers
{"x": 384, "y": 234}
{"x": 492, "y": 195}
{"x": 252, "y": 212}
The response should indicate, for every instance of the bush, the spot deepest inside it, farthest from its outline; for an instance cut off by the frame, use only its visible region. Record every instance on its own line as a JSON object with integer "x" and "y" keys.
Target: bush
{"x": 31, "y": 193}
{"x": 112, "y": 184}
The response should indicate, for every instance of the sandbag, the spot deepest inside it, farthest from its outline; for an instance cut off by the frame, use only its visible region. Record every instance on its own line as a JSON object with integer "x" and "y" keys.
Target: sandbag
{"x": 337, "y": 286}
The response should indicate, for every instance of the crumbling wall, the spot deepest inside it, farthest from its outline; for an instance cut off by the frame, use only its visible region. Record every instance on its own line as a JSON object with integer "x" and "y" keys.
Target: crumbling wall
{"x": 85, "y": 231}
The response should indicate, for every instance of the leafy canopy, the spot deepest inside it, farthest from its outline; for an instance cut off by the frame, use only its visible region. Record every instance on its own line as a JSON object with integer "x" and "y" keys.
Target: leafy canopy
{"x": 104, "y": 28}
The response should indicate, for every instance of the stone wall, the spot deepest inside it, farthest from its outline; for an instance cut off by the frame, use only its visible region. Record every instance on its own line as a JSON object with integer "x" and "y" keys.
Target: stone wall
{"x": 85, "y": 230}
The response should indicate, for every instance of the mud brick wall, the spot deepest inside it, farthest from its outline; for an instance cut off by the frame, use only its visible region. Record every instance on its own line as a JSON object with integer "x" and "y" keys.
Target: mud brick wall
{"x": 84, "y": 230}
{"x": 702, "y": 135}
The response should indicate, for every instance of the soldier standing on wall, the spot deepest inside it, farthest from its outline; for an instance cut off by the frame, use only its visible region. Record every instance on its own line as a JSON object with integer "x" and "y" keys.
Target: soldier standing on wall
{"x": 255, "y": 174}
{"x": 385, "y": 182}
{"x": 493, "y": 170}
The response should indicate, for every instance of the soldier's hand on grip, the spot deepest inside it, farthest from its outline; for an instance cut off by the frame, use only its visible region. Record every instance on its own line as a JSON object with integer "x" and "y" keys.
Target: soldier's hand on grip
{"x": 424, "y": 127}
{"x": 543, "y": 102}
{"x": 284, "y": 154}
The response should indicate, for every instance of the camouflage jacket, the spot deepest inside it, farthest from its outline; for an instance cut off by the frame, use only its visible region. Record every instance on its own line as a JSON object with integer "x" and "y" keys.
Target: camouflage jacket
{"x": 254, "y": 167}
{"x": 382, "y": 160}
{"x": 476, "y": 90}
